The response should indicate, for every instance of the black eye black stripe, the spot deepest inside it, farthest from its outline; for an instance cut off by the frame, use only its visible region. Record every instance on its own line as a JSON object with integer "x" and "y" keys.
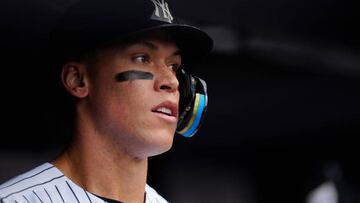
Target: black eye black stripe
{"x": 133, "y": 75}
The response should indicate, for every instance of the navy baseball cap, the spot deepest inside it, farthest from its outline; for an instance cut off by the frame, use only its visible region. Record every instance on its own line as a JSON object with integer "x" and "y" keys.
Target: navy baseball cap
{"x": 90, "y": 24}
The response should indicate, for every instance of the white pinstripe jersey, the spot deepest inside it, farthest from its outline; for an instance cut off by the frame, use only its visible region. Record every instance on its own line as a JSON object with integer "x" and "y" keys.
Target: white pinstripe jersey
{"x": 47, "y": 184}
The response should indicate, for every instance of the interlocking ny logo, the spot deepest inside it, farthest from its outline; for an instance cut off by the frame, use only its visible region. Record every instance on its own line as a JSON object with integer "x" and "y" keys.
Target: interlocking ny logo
{"x": 162, "y": 11}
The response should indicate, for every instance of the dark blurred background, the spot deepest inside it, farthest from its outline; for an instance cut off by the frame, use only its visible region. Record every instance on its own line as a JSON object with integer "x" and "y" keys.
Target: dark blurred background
{"x": 283, "y": 115}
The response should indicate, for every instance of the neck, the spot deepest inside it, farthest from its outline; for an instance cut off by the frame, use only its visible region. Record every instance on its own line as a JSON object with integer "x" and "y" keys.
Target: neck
{"x": 102, "y": 169}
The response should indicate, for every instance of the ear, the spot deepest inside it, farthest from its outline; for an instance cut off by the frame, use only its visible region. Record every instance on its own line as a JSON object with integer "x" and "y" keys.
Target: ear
{"x": 74, "y": 79}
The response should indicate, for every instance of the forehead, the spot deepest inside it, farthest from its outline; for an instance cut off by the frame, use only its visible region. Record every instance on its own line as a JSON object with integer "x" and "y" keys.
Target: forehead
{"x": 150, "y": 40}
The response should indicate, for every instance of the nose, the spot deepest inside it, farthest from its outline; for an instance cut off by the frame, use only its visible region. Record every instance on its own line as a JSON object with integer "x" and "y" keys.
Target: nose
{"x": 165, "y": 80}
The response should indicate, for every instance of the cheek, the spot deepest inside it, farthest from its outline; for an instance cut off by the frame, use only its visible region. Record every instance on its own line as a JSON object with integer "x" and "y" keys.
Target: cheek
{"x": 136, "y": 90}
{"x": 130, "y": 110}
{"x": 133, "y": 97}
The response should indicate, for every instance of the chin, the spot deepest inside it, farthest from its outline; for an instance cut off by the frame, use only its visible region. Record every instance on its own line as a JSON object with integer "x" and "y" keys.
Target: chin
{"x": 160, "y": 143}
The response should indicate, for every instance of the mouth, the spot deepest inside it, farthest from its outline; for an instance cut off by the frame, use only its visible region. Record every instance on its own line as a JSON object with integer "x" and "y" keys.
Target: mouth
{"x": 167, "y": 108}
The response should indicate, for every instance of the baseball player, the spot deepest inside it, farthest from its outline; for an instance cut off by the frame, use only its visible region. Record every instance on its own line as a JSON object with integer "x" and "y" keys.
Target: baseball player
{"x": 123, "y": 66}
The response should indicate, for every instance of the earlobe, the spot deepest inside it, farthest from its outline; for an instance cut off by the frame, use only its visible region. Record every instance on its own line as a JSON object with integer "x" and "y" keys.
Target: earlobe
{"x": 73, "y": 77}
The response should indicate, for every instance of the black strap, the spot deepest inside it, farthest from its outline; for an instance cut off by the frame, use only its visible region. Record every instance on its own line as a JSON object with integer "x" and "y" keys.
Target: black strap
{"x": 108, "y": 200}
{"x": 115, "y": 201}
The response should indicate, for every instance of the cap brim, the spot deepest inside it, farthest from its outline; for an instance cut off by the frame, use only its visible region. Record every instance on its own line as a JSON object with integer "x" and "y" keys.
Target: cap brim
{"x": 193, "y": 43}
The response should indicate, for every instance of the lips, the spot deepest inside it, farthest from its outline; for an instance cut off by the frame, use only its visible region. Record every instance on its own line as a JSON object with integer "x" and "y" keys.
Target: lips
{"x": 167, "y": 108}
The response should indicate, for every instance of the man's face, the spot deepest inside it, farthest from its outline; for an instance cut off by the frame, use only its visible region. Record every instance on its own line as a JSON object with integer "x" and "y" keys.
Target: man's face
{"x": 133, "y": 95}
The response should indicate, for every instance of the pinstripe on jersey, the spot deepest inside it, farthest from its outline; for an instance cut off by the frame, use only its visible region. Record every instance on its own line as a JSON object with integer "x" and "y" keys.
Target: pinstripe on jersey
{"x": 46, "y": 184}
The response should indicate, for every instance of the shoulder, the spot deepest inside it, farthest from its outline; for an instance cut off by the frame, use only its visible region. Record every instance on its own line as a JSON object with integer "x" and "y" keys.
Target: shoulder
{"x": 153, "y": 196}
{"x": 28, "y": 185}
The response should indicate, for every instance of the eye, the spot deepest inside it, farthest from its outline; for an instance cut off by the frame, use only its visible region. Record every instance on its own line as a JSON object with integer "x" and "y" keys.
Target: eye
{"x": 141, "y": 58}
{"x": 174, "y": 67}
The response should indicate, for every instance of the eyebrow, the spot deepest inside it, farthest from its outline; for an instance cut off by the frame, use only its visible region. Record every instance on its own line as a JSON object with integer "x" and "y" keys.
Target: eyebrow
{"x": 153, "y": 46}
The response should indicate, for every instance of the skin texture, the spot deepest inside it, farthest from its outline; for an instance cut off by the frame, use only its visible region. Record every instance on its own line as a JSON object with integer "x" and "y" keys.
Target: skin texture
{"x": 116, "y": 129}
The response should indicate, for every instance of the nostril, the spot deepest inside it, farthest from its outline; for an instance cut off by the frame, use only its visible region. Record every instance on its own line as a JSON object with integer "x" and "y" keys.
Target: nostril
{"x": 165, "y": 87}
